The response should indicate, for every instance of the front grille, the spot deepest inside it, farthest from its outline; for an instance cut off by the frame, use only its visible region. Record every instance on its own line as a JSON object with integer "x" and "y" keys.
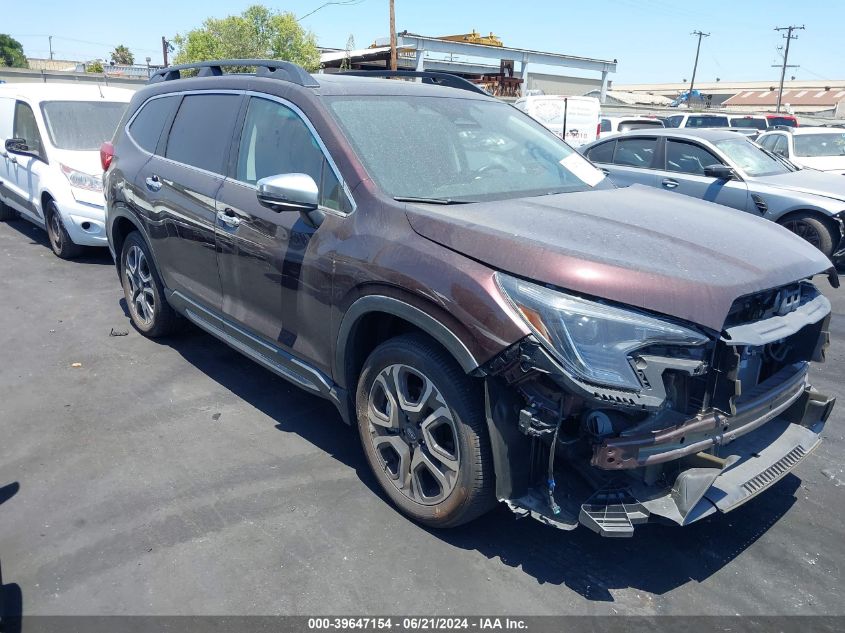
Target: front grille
{"x": 775, "y": 471}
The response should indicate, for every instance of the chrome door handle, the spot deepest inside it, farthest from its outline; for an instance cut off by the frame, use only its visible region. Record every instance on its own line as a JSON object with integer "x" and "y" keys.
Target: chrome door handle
{"x": 228, "y": 218}
{"x": 669, "y": 183}
{"x": 153, "y": 183}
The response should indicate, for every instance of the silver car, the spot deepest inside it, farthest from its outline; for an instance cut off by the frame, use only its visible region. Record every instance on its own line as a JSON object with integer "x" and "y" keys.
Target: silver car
{"x": 726, "y": 168}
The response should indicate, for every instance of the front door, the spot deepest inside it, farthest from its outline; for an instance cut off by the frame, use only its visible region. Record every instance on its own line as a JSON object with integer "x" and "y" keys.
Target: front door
{"x": 684, "y": 173}
{"x": 268, "y": 270}
{"x": 24, "y": 172}
{"x": 179, "y": 189}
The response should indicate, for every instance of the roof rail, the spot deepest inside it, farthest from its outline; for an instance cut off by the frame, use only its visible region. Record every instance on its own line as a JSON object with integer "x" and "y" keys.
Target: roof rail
{"x": 438, "y": 79}
{"x": 275, "y": 68}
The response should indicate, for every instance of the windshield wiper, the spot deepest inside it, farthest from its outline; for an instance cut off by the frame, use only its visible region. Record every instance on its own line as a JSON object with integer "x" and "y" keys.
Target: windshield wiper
{"x": 430, "y": 200}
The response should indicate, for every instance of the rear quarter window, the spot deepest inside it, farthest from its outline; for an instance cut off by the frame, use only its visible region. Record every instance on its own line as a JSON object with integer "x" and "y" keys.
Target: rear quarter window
{"x": 148, "y": 124}
{"x": 602, "y": 153}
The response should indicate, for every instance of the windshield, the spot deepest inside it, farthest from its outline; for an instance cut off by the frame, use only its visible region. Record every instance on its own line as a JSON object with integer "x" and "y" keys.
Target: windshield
{"x": 819, "y": 144}
{"x": 782, "y": 120}
{"x": 81, "y": 125}
{"x": 751, "y": 158}
{"x": 458, "y": 150}
{"x": 757, "y": 124}
{"x": 707, "y": 121}
{"x": 626, "y": 126}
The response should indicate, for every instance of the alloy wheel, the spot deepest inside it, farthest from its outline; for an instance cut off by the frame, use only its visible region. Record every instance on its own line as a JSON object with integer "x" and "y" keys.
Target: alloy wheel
{"x": 414, "y": 434}
{"x": 804, "y": 230}
{"x": 55, "y": 232}
{"x": 139, "y": 280}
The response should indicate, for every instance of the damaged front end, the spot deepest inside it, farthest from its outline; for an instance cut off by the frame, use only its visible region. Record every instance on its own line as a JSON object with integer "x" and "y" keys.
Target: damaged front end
{"x": 610, "y": 417}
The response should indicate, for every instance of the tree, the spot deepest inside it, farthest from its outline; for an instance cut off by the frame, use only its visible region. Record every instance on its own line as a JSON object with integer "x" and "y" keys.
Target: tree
{"x": 122, "y": 55}
{"x": 11, "y": 52}
{"x": 94, "y": 67}
{"x": 257, "y": 33}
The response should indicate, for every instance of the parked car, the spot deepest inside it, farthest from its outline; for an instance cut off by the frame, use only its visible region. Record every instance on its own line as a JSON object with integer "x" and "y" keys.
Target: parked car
{"x": 498, "y": 320}
{"x": 613, "y": 124}
{"x": 787, "y": 120}
{"x": 725, "y": 167}
{"x": 821, "y": 148}
{"x": 748, "y": 121}
{"x": 49, "y": 161}
{"x": 579, "y": 116}
{"x": 696, "y": 120}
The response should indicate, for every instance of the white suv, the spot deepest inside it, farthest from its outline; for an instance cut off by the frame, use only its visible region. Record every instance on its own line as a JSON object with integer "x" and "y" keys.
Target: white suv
{"x": 50, "y": 172}
{"x": 821, "y": 148}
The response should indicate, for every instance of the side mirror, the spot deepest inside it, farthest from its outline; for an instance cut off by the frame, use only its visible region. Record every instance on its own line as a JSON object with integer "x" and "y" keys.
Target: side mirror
{"x": 720, "y": 172}
{"x": 19, "y": 146}
{"x": 291, "y": 192}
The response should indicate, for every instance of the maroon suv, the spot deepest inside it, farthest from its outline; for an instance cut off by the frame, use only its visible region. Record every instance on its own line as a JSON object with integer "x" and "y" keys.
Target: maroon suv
{"x": 498, "y": 320}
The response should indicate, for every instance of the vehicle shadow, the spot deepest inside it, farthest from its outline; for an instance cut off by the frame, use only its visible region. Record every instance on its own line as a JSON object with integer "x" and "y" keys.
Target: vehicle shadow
{"x": 657, "y": 560}
{"x": 38, "y": 237}
{"x": 11, "y": 597}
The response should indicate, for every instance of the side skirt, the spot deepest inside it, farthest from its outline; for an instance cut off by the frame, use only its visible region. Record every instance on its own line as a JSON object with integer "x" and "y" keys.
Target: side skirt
{"x": 271, "y": 357}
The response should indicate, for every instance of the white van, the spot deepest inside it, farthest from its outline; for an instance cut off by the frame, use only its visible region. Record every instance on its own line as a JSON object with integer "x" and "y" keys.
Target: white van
{"x": 50, "y": 172}
{"x": 578, "y": 115}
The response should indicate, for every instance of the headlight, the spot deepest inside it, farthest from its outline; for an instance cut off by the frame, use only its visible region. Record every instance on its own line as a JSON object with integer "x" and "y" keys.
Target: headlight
{"x": 81, "y": 180}
{"x": 592, "y": 340}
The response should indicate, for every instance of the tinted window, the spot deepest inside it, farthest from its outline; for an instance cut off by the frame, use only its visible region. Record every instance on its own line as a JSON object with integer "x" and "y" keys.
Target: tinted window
{"x": 749, "y": 122}
{"x": 707, "y": 121}
{"x": 673, "y": 121}
{"x": 606, "y": 126}
{"x": 202, "y": 131}
{"x": 635, "y": 152}
{"x": 782, "y": 120}
{"x": 781, "y": 146}
{"x": 26, "y": 128}
{"x": 602, "y": 153}
{"x": 275, "y": 140}
{"x": 626, "y": 126}
{"x": 81, "y": 125}
{"x": 768, "y": 141}
{"x": 150, "y": 121}
{"x": 688, "y": 158}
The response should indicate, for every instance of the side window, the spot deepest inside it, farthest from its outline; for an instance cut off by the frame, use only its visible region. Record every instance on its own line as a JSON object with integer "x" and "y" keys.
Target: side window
{"x": 768, "y": 141}
{"x": 635, "y": 152}
{"x": 275, "y": 140}
{"x": 674, "y": 121}
{"x": 202, "y": 131}
{"x": 148, "y": 124}
{"x": 7, "y": 115}
{"x": 602, "y": 153}
{"x": 781, "y": 147}
{"x": 606, "y": 126}
{"x": 688, "y": 158}
{"x": 26, "y": 128}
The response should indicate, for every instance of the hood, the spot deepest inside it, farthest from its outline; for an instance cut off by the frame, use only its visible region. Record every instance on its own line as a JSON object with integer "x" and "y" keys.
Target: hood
{"x": 638, "y": 246}
{"x": 819, "y": 183}
{"x": 822, "y": 163}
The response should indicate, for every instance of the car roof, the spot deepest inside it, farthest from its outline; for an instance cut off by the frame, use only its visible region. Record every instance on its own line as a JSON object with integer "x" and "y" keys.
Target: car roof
{"x": 813, "y": 130}
{"x": 708, "y": 134}
{"x": 39, "y": 92}
{"x": 332, "y": 84}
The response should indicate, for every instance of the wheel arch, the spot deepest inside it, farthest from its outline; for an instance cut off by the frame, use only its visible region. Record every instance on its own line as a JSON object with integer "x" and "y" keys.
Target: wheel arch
{"x": 826, "y": 217}
{"x": 372, "y": 319}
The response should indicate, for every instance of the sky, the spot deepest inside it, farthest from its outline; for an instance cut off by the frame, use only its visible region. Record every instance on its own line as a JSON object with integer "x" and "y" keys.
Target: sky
{"x": 651, "y": 39}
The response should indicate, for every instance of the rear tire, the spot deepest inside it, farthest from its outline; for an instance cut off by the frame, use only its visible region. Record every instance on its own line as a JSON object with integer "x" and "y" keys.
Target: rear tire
{"x": 814, "y": 230}
{"x": 421, "y": 423}
{"x": 144, "y": 292}
{"x": 60, "y": 241}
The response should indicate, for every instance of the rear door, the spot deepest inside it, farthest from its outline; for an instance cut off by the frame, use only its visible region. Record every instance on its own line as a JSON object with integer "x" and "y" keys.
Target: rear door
{"x": 178, "y": 186}
{"x": 627, "y": 160}
{"x": 684, "y": 173}
{"x": 269, "y": 276}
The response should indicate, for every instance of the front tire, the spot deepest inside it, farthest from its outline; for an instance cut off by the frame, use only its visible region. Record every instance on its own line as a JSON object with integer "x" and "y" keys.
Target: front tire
{"x": 60, "y": 241}
{"x": 814, "y": 230}
{"x": 144, "y": 292}
{"x": 421, "y": 423}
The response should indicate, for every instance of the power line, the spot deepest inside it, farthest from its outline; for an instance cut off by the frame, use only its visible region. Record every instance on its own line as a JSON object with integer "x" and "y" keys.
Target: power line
{"x": 347, "y": 3}
{"x": 789, "y": 37}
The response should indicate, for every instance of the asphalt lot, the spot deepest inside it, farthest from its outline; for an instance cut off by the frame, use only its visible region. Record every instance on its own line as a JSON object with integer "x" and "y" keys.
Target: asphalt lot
{"x": 178, "y": 477}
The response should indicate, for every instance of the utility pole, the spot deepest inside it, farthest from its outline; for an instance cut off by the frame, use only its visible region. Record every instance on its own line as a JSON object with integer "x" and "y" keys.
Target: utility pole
{"x": 789, "y": 37}
{"x": 165, "y": 45}
{"x": 50, "y": 38}
{"x": 393, "y": 60}
{"x": 695, "y": 66}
